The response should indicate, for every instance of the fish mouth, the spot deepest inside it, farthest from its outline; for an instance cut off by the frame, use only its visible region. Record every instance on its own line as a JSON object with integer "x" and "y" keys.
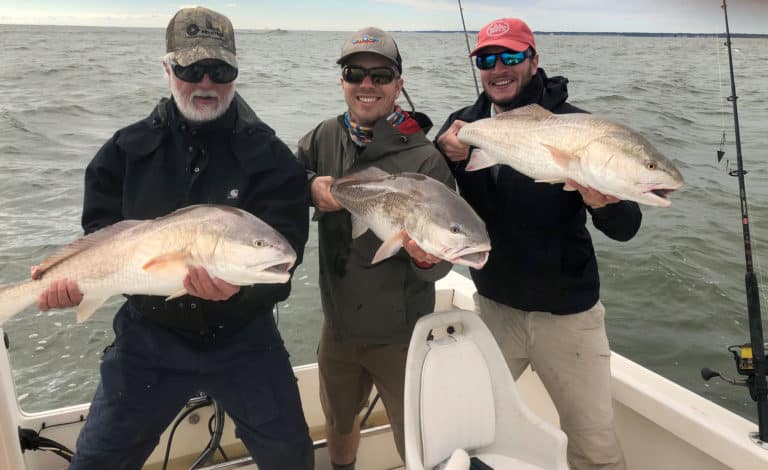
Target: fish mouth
{"x": 474, "y": 257}
{"x": 658, "y": 194}
{"x": 281, "y": 268}
{"x": 662, "y": 193}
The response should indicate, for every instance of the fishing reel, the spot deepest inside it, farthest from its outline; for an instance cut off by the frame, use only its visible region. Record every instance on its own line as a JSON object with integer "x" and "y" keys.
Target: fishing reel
{"x": 745, "y": 366}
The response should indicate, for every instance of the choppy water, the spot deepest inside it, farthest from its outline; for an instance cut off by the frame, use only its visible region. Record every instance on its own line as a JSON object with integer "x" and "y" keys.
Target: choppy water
{"x": 674, "y": 294}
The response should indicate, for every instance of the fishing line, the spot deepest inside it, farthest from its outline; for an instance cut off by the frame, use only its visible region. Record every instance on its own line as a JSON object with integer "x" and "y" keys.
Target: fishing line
{"x": 469, "y": 50}
{"x": 720, "y": 149}
{"x": 750, "y": 358}
{"x": 721, "y": 152}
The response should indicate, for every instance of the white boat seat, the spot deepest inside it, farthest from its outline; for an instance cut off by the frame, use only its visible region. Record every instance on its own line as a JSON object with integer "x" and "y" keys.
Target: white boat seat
{"x": 459, "y": 394}
{"x": 502, "y": 462}
{"x": 456, "y": 399}
{"x": 460, "y": 460}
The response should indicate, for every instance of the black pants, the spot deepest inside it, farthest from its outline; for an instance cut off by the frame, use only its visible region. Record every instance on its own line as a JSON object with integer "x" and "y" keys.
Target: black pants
{"x": 150, "y": 372}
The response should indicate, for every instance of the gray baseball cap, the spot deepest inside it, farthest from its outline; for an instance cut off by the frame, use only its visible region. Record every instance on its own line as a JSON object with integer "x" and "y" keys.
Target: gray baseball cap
{"x": 198, "y": 33}
{"x": 372, "y": 40}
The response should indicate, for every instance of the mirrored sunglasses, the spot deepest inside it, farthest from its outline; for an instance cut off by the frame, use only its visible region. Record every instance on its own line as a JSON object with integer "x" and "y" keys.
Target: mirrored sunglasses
{"x": 488, "y": 61}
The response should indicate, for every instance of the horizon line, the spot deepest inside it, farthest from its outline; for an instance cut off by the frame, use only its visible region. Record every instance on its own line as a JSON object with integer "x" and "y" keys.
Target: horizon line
{"x": 555, "y": 32}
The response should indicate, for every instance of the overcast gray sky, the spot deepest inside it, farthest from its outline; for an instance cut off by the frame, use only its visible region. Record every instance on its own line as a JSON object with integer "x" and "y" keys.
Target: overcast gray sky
{"x": 695, "y": 16}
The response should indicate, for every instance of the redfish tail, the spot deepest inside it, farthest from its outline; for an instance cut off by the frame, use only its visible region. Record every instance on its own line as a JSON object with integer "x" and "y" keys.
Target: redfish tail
{"x": 16, "y": 297}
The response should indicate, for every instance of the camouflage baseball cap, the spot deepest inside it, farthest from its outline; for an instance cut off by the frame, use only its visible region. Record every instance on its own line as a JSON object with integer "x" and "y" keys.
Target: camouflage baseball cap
{"x": 198, "y": 33}
{"x": 372, "y": 40}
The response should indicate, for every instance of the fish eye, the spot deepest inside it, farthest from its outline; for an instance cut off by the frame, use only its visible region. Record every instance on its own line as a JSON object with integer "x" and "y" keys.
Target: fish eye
{"x": 455, "y": 228}
{"x": 650, "y": 165}
{"x": 259, "y": 243}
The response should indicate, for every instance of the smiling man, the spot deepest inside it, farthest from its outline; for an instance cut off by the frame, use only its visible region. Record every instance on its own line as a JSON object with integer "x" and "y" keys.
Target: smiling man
{"x": 539, "y": 292}
{"x": 370, "y": 309}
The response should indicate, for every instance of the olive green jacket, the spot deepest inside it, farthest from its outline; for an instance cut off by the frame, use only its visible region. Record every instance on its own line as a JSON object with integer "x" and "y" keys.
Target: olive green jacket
{"x": 365, "y": 303}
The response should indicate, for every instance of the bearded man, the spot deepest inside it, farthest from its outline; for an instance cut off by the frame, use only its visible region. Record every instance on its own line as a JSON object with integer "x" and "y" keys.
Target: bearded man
{"x": 202, "y": 145}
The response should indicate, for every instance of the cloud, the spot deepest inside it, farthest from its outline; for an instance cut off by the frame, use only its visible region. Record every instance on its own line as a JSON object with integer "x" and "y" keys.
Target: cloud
{"x": 694, "y": 16}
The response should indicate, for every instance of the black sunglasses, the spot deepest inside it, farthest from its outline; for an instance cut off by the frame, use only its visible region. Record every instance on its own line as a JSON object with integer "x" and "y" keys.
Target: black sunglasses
{"x": 488, "y": 61}
{"x": 379, "y": 75}
{"x": 218, "y": 72}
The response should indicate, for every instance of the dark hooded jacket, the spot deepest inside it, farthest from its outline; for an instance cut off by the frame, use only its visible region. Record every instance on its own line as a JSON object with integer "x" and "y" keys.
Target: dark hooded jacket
{"x": 164, "y": 162}
{"x": 542, "y": 258}
{"x": 364, "y": 302}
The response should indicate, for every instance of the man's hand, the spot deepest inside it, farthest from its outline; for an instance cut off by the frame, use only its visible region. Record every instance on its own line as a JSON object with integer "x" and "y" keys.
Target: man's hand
{"x": 321, "y": 194}
{"x": 450, "y": 145}
{"x": 199, "y": 284}
{"x": 420, "y": 256}
{"x": 592, "y": 198}
{"x": 62, "y": 293}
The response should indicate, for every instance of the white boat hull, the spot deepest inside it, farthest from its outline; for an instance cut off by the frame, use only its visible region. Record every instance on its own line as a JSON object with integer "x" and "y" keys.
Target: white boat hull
{"x": 660, "y": 424}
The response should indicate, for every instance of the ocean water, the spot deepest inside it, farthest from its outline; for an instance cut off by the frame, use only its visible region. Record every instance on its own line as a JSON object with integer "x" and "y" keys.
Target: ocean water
{"x": 674, "y": 294}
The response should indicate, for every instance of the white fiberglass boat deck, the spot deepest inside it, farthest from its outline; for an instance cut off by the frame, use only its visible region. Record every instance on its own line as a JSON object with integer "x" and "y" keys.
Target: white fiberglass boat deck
{"x": 661, "y": 425}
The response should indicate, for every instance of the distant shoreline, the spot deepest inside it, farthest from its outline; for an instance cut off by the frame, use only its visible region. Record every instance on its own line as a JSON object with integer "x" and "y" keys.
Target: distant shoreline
{"x": 473, "y": 32}
{"x": 616, "y": 33}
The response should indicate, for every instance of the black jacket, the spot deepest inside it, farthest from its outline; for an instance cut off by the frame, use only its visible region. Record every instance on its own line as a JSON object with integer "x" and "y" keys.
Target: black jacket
{"x": 542, "y": 258}
{"x": 164, "y": 162}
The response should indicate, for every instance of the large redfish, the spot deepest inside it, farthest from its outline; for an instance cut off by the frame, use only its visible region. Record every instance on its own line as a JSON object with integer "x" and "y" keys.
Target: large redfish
{"x": 592, "y": 151}
{"x": 391, "y": 205}
{"x": 153, "y": 256}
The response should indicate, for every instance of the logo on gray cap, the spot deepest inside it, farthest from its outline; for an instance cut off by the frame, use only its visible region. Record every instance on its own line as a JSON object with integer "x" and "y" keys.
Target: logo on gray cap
{"x": 372, "y": 40}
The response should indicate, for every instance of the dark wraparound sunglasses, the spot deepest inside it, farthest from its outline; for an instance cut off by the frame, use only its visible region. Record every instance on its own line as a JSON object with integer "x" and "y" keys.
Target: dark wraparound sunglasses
{"x": 379, "y": 75}
{"x": 218, "y": 72}
{"x": 488, "y": 61}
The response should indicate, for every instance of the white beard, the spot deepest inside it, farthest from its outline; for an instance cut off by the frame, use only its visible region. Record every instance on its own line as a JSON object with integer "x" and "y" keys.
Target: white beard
{"x": 187, "y": 107}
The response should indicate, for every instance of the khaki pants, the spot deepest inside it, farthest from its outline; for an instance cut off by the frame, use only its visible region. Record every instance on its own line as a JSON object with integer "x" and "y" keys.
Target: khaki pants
{"x": 348, "y": 372}
{"x": 571, "y": 355}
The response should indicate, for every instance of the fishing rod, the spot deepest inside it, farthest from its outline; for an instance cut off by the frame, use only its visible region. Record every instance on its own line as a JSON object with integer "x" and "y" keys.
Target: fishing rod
{"x": 750, "y": 358}
{"x": 469, "y": 49}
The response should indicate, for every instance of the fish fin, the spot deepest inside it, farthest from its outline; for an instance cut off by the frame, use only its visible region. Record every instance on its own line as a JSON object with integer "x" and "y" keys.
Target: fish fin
{"x": 550, "y": 181}
{"x": 370, "y": 173}
{"x": 88, "y": 306}
{"x": 363, "y": 189}
{"x": 83, "y": 244}
{"x": 561, "y": 157}
{"x": 194, "y": 207}
{"x": 167, "y": 262}
{"x": 358, "y": 227}
{"x": 568, "y": 187}
{"x": 533, "y": 111}
{"x": 414, "y": 176}
{"x": 479, "y": 160}
{"x": 176, "y": 294}
{"x": 389, "y": 247}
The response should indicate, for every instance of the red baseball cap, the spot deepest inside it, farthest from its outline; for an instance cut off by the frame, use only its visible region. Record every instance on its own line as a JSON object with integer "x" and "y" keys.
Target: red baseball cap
{"x": 511, "y": 33}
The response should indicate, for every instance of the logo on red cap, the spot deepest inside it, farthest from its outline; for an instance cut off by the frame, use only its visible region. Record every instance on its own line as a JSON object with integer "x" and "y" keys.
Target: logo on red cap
{"x": 497, "y": 29}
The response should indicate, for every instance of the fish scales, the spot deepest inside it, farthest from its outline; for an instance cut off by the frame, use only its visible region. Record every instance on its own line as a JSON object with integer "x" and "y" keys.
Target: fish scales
{"x": 413, "y": 204}
{"x": 592, "y": 151}
{"x": 152, "y": 257}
